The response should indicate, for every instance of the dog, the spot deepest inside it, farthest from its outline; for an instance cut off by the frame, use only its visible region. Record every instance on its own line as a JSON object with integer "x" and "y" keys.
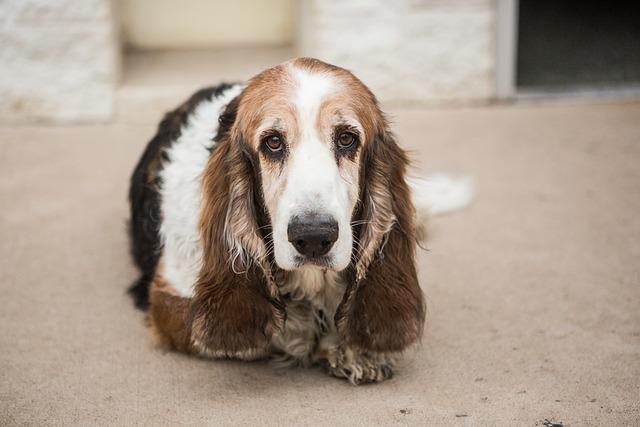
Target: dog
{"x": 275, "y": 219}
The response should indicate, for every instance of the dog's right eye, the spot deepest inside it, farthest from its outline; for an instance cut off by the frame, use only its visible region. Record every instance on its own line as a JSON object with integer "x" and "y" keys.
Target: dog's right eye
{"x": 273, "y": 143}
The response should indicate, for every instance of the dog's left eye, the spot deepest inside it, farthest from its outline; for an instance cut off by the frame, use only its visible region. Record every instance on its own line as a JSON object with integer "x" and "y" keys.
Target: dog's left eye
{"x": 346, "y": 140}
{"x": 273, "y": 143}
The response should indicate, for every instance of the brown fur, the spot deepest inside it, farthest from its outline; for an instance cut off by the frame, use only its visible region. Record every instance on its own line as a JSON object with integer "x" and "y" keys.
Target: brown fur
{"x": 383, "y": 308}
{"x": 232, "y": 314}
{"x": 168, "y": 316}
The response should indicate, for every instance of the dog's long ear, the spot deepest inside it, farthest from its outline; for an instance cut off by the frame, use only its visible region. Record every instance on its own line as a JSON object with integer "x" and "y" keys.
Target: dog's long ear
{"x": 236, "y": 306}
{"x": 383, "y": 307}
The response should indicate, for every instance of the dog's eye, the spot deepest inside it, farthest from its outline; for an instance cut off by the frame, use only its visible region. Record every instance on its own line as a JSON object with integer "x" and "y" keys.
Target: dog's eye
{"x": 273, "y": 143}
{"x": 346, "y": 140}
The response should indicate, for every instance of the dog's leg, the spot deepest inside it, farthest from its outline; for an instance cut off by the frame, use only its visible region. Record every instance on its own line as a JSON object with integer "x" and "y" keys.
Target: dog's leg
{"x": 294, "y": 345}
{"x": 167, "y": 316}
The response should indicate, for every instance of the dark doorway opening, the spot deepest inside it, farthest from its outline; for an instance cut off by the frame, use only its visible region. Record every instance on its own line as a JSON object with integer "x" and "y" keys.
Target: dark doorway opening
{"x": 578, "y": 44}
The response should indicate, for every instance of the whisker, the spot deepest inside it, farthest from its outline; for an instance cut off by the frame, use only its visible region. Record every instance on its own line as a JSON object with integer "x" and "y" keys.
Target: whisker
{"x": 357, "y": 242}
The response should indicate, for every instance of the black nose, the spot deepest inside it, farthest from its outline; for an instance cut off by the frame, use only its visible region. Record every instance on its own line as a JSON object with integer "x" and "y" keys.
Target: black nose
{"x": 312, "y": 235}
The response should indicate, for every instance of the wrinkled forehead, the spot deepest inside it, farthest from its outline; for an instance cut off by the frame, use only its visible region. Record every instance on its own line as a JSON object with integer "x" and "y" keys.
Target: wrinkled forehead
{"x": 299, "y": 93}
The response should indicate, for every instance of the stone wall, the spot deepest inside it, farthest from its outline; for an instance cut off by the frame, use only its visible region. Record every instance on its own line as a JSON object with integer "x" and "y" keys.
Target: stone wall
{"x": 407, "y": 51}
{"x": 60, "y": 60}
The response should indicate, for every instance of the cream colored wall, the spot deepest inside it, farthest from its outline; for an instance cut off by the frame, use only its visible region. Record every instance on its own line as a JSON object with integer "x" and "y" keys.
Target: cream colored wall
{"x": 171, "y": 24}
{"x": 419, "y": 52}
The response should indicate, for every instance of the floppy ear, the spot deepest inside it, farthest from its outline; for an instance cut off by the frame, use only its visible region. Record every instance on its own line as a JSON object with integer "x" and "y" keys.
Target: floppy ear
{"x": 383, "y": 307}
{"x": 236, "y": 306}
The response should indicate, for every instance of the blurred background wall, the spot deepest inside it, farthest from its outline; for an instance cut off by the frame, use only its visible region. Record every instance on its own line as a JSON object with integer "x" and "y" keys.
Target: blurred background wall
{"x": 60, "y": 60}
{"x": 171, "y": 24}
{"x": 96, "y": 60}
{"x": 409, "y": 51}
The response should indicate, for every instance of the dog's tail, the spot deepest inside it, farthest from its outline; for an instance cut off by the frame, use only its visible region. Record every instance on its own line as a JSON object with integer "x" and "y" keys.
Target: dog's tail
{"x": 440, "y": 194}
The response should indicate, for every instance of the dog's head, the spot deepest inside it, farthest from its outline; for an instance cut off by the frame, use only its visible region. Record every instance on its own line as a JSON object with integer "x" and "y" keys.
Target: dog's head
{"x": 307, "y": 175}
{"x": 305, "y": 126}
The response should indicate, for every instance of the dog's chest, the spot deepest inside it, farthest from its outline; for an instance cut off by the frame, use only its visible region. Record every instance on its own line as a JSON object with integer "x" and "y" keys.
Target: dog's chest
{"x": 322, "y": 289}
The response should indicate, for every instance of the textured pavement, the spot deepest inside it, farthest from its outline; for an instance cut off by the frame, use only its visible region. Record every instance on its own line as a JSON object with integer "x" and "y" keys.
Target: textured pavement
{"x": 533, "y": 292}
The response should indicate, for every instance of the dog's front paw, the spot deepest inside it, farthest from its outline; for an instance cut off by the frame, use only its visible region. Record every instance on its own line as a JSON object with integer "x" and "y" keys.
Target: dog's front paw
{"x": 359, "y": 368}
{"x": 361, "y": 374}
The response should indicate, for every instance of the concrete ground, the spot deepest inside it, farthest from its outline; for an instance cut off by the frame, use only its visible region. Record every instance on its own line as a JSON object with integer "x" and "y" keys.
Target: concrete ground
{"x": 533, "y": 292}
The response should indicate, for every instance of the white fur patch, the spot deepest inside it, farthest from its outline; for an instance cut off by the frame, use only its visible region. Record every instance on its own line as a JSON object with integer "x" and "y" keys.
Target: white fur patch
{"x": 314, "y": 182}
{"x": 440, "y": 194}
{"x": 180, "y": 192}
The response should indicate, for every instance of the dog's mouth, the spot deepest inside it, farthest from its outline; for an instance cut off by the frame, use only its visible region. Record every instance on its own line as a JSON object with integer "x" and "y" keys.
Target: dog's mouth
{"x": 325, "y": 262}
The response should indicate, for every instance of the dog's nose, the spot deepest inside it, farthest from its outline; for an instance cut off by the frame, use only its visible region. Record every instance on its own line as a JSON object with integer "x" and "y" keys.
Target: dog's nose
{"x": 312, "y": 235}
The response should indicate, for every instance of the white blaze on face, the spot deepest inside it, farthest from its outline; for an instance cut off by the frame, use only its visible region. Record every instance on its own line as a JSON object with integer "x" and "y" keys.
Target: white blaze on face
{"x": 313, "y": 183}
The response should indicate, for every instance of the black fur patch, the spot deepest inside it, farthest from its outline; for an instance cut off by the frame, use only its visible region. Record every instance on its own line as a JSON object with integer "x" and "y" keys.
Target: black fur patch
{"x": 144, "y": 196}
